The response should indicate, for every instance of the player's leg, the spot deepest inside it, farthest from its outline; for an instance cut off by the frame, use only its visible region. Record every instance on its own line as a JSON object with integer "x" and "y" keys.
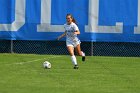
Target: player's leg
{"x": 73, "y": 58}
{"x": 79, "y": 52}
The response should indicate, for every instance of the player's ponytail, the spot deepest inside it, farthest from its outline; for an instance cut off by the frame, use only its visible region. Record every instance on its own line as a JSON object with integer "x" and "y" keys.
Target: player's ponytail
{"x": 73, "y": 20}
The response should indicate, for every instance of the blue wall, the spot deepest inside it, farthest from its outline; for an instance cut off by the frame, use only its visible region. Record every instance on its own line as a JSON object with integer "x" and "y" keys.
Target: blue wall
{"x": 110, "y": 12}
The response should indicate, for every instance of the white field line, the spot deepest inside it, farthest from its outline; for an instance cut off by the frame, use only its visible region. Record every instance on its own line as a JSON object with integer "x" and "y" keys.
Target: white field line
{"x": 31, "y": 61}
{"x": 20, "y": 63}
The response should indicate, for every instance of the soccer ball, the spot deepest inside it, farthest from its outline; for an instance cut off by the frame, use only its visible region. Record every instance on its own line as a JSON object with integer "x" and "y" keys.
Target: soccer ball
{"x": 47, "y": 65}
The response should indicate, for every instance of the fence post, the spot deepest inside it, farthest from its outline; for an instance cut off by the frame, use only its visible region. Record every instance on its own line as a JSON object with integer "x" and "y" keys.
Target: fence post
{"x": 91, "y": 48}
{"x": 11, "y": 50}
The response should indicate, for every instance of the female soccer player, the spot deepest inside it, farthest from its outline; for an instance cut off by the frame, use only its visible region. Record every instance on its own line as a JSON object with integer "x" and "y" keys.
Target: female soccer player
{"x": 72, "y": 41}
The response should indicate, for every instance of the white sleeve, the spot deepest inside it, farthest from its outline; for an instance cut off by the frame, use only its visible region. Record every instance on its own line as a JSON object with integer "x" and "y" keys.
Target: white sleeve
{"x": 75, "y": 27}
{"x": 64, "y": 26}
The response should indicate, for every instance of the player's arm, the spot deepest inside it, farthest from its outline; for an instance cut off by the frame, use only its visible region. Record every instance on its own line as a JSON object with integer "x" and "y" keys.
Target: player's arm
{"x": 77, "y": 32}
{"x": 61, "y": 36}
{"x": 76, "y": 29}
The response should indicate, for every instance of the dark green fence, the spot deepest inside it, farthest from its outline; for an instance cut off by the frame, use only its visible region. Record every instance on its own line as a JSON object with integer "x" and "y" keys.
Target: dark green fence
{"x": 59, "y": 48}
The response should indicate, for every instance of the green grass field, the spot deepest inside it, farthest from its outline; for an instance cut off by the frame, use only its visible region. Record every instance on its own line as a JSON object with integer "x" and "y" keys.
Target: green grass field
{"x": 23, "y": 73}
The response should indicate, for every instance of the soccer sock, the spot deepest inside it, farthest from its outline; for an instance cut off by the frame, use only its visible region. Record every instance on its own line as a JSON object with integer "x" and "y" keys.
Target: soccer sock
{"x": 73, "y": 59}
{"x": 83, "y": 54}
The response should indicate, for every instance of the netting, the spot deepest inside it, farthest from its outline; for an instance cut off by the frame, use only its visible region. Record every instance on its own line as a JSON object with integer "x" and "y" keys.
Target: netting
{"x": 59, "y": 48}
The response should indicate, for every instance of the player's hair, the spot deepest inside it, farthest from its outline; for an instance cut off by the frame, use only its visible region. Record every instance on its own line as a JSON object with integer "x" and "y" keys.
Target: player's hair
{"x": 73, "y": 20}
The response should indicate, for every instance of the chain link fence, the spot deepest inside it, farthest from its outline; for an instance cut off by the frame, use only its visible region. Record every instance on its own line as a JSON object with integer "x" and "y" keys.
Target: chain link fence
{"x": 59, "y": 48}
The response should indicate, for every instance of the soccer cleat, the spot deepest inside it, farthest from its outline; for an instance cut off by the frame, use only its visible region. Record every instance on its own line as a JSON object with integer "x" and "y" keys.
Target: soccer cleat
{"x": 83, "y": 58}
{"x": 76, "y": 67}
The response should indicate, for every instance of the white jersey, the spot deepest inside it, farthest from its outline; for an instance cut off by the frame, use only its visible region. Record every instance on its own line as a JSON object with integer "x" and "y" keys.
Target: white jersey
{"x": 70, "y": 29}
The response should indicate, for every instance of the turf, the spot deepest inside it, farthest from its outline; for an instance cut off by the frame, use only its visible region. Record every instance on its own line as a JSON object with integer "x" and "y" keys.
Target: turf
{"x": 23, "y": 73}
